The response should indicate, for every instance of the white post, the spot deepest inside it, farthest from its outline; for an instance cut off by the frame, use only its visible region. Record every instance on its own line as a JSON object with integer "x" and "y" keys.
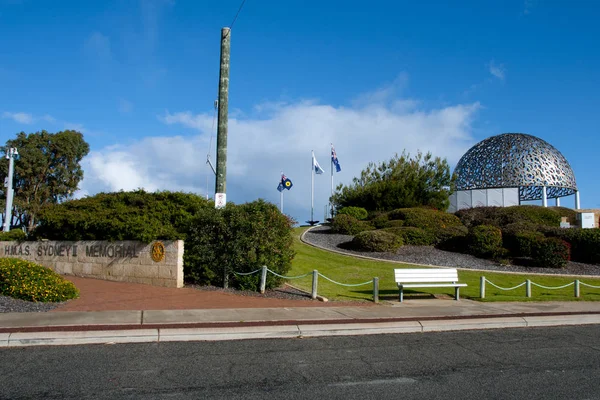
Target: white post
{"x": 544, "y": 197}
{"x": 557, "y": 202}
{"x": 281, "y": 201}
{"x": 577, "y": 200}
{"x": 332, "y": 167}
{"x": 9, "y": 188}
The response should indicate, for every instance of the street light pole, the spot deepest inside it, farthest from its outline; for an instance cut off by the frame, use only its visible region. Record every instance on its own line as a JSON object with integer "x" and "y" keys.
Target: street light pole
{"x": 10, "y": 154}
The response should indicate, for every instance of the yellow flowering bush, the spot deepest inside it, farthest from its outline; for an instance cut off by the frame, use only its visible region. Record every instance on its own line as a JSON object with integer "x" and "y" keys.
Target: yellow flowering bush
{"x": 29, "y": 281}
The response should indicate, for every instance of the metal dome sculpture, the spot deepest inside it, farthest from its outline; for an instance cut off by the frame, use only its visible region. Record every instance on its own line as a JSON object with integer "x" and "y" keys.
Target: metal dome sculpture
{"x": 516, "y": 160}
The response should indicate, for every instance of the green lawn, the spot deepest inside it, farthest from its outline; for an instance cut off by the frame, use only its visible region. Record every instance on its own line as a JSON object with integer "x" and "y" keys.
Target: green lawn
{"x": 351, "y": 270}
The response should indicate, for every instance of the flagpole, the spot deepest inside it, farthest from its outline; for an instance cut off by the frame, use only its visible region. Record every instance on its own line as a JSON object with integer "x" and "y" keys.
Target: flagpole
{"x": 312, "y": 185}
{"x": 331, "y": 181}
{"x": 281, "y": 202}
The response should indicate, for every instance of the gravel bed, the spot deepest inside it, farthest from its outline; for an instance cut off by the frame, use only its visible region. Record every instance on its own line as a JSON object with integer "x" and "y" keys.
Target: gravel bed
{"x": 10, "y": 305}
{"x": 322, "y": 236}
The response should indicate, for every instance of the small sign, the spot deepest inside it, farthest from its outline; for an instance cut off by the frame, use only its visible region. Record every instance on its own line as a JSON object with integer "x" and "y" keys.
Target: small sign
{"x": 220, "y": 200}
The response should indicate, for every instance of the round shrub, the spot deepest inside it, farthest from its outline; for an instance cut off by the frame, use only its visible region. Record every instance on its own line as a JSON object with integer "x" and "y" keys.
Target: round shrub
{"x": 357, "y": 212}
{"x": 413, "y": 236}
{"x": 348, "y": 225}
{"x": 29, "y": 281}
{"x": 551, "y": 253}
{"x": 452, "y": 238}
{"x": 12, "y": 235}
{"x": 379, "y": 220}
{"x": 425, "y": 218}
{"x": 376, "y": 241}
{"x": 239, "y": 238}
{"x": 502, "y": 216}
{"x": 525, "y": 243}
{"x": 485, "y": 241}
{"x": 585, "y": 243}
{"x": 397, "y": 223}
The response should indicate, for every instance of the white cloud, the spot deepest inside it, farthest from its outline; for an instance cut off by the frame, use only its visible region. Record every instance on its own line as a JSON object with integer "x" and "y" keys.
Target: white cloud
{"x": 498, "y": 70}
{"x": 281, "y": 139}
{"x": 19, "y": 117}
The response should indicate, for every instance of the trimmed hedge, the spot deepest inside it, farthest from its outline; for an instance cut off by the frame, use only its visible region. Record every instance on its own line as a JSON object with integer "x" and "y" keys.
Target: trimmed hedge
{"x": 551, "y": 253}
{"x": 425, "y": 218}
{"x": 585, "y": 243}
{"x": 502, "y": 216}
{"x": 12, "y": 235}
{"x": 357, "y": 212}
{"x": 348, "y": 225}
{"x": 413, "y": 236}
{"x": 380, "y": 241}
{"x": 485, "y": 241}
{"x": 136, "y": 215}
{"x": 29, "y": 281}
{"x": 239, "y": 238}
{"x": 452, "y": 238}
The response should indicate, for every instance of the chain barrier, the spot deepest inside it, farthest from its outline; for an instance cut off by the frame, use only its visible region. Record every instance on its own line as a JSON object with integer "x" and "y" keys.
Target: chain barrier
{"x": 553, "y": 287}
{"x": 289, "y": 277}
{"x": 501, "y": 288}
{"x": 588, "y": 285}
{"x": 246, "y": 273}
{"x": 346, "y": 284}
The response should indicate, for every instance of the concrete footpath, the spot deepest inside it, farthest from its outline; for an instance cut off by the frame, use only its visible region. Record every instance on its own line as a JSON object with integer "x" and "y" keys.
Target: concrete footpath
{"x": 411, "y": 316}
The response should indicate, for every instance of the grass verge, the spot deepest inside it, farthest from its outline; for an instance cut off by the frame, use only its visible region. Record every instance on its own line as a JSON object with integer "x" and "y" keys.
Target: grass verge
{"x": 352, "y": 270}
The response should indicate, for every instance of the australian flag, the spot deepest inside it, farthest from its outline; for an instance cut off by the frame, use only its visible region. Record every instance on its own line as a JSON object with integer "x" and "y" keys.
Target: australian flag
{"x": 285, "y": 183}
{"x": 334, "y": 160}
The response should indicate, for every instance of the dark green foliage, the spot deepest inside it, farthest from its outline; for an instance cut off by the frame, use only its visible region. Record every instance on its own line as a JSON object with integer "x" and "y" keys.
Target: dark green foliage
{"x": 502, "y": 216}
{"x": 425, "y": 218}
{"x": 517, "y": 237}
{"x": 414, "y": 236}
{"x": 29, "y": 281}
{"x": 585, "y": 243}
{"x": 452, "y": 238}
{"x": 380, "y": 241}
{"x": 13, "y": 234}
{"x": 378, "y": 219}
{"x": 356, "y": 212}
{"x": 47, "y": 171}
{"x": 551, "y": 253}
{"x": 400, "y": 182}
{"x": 393, "y": 224}
{"x": 525, "y": 243}
{"x": 348, "y": 225}
{"x": 485, "y": 241}
{"x": 566, "y": 212}
{"x": 137, "y": 215}
{"x": 239, "y": 238}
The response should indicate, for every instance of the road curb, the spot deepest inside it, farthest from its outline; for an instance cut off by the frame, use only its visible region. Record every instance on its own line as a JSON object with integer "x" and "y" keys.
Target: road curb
{"x": 295, "y": 329}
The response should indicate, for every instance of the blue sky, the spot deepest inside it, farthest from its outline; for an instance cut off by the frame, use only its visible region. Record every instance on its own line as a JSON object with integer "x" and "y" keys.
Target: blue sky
{"x": 139, "y": 79}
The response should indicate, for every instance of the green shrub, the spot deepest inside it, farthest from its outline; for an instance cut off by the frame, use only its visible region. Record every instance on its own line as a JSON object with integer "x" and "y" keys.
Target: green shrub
{"x": 585, "y": 243}
{"x": 525, "y": 243}
{"x": 348, "y": 225}
{"x": 397, "y": 223}
{"x": 566, "y": 212}
{"x": 239, "y": 238}
{"x": 517, "y": 237}
{"x": 502, "y": 216}
{"x": 376, "y": 241}
{"x": 551, "y": 253}
{"x": 136, "y": 215}
{"x": 357, "y": 212}
{"x": 29, "y": 281}
{"x": 379, "y": 220}
{"x": 425, "y": 218}
{"x": 12, "y": 235}
{"x": 452, "y": 238}
{"x": 485, "y": 241}
{"x": 413, "y": 236}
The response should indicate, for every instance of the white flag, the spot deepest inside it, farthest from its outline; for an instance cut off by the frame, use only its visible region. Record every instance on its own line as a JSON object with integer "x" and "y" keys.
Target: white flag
{"x": 316, "y": 166}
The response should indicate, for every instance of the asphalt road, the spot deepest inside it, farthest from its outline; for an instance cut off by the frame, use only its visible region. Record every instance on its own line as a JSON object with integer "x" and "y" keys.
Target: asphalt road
{"x": 531, "y": 363}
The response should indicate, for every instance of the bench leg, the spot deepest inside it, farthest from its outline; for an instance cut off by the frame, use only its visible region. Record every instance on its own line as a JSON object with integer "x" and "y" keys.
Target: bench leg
{"x": 400, "y": 288}
{"x": 456, "y": 295}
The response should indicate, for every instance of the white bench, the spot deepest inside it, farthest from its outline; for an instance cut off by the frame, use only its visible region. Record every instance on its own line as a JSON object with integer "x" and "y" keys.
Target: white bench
{"x": 427, "y": 277}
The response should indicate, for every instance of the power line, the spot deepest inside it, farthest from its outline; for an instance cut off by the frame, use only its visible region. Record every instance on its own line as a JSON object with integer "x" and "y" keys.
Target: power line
{"x": 236, "y": 15}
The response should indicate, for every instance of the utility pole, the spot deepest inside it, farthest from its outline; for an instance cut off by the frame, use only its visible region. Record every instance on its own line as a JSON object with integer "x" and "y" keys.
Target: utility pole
{"x": 221, "y": 178}
{"x": 10, "y": 154}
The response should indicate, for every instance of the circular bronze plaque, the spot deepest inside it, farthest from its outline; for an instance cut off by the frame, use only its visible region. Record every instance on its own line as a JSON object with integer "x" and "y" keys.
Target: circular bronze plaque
{"x": 158, "y": 251}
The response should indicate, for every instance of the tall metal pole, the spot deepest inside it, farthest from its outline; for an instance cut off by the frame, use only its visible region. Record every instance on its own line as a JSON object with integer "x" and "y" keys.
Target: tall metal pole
{"x": 221, "y": 181}
{"x": 312, "y": 187}
{"x": 10, "y": 154}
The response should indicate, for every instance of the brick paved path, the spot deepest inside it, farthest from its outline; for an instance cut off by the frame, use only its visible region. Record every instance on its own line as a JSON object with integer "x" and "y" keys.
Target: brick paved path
{"x": 100, "y": 295}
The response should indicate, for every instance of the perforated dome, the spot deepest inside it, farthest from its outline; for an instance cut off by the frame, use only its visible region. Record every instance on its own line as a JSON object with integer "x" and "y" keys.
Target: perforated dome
{"x": 516, "y": 160}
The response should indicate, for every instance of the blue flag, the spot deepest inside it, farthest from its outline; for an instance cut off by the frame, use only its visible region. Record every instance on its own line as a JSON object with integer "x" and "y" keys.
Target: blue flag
{"x": 284, "y": 183}
{"x": 334, "y": 160}
{"x": 316, "y": 166}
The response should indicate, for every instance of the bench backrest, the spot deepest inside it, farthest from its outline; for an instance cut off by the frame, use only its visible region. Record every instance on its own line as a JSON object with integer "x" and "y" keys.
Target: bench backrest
{"x": 421, "y": 275}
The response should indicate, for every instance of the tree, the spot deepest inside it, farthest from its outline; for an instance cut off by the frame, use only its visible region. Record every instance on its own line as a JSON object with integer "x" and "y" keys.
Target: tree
{"x": 48, "y": 171}
{"x": 400, "y": 182}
